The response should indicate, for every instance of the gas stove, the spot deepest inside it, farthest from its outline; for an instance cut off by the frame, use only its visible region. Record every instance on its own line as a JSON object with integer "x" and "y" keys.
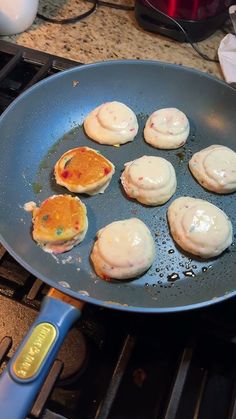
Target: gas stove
{"x": 116, "y": 365}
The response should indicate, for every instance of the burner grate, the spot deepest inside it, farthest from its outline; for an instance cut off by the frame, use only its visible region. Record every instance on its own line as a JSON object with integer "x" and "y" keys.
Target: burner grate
{"x": 21, "y": 68}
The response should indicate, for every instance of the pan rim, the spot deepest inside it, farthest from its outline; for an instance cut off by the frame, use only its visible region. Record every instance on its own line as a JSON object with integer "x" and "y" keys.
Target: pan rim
{"x": 77, "y": 295}
{"x": 112, "y": 304}
{"x": 113, "y": 62}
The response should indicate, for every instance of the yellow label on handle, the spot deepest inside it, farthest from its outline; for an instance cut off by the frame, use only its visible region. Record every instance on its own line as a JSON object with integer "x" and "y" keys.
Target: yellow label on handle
{"x": 34, "y": 351}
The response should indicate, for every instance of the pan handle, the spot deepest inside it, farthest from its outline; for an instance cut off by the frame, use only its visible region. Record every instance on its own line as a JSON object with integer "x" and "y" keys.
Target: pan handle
{"x": 28, "y": 368}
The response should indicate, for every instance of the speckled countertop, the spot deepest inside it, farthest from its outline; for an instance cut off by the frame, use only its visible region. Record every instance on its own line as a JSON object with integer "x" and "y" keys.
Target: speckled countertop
{"x": 109, "y": 34}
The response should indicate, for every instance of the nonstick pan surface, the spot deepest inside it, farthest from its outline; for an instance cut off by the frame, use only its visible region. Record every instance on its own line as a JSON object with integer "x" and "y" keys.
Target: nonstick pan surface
{"x": 47, "y": 120}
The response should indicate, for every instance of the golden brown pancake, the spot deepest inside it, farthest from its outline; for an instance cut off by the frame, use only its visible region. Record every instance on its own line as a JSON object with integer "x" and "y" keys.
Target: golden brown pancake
{"x": 59, "y": 223}
{"x": 84, "y": 170}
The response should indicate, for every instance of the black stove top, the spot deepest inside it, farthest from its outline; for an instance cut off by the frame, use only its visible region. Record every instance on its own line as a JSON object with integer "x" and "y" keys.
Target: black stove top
{"x": 116, "y": 365}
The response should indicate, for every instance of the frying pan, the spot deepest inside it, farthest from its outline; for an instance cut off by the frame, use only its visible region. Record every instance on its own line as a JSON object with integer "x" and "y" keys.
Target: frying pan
{"x": 46, "y": 121}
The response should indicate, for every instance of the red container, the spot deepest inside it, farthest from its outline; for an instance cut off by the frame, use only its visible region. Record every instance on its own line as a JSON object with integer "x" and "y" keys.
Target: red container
{"x": 191, "y": 10}
{"x": 200, "y": 18}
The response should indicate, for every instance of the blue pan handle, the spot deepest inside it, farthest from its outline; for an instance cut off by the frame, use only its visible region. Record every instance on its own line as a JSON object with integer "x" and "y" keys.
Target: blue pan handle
{"x": 28, "y": 368}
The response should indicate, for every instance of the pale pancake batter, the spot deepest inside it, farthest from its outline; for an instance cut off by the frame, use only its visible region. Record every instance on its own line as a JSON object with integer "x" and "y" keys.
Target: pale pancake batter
{"x": 124, "y": 249}
{"x": 167, "y": 128}
{"x": 111, "y": 123}
{"x": 150, "y": 180}
{"x": 199, "y": 227}
{"x": 214, "y": 168}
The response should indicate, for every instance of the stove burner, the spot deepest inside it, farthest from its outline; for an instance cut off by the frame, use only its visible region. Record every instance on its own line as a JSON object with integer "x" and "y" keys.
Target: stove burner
{"x": 73, "y": 354}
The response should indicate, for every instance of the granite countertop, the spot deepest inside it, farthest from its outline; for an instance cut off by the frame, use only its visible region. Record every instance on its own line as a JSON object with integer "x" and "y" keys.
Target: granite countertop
{"x": 109, "y": 34}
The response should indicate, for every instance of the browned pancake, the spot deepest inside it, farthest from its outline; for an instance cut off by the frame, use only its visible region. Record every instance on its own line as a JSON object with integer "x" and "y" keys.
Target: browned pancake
{"x": 83, "y": 170}
{"x": 60, "y": 219}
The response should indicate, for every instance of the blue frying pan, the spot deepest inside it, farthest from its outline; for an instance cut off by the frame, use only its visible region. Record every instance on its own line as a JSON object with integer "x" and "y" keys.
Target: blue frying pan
{"x": 35, "y": 131}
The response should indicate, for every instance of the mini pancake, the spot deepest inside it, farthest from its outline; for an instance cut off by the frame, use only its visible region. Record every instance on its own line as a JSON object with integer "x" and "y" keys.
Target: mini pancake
{"x": 111, "y": 123}
{"x": 199, "y": 227}
{"x": 214, "y": 168}
{"x": 124, "y": 249}
{"x": 167, "y": 128}
{"x": 84, "y": 170}
{"x": 59, "y": 223}
{"x": 150, "y": 179}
